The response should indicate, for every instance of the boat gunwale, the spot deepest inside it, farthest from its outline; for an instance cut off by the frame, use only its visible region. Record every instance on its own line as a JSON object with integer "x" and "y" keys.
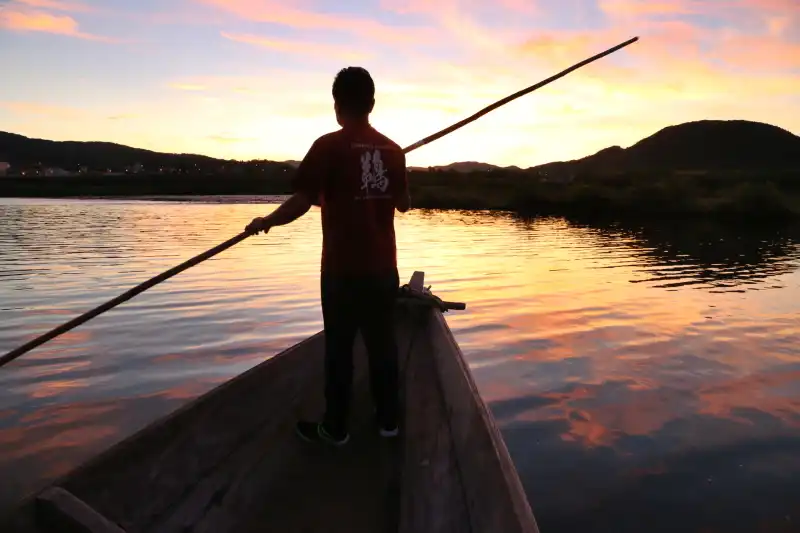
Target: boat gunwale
{"x": 515, "y": 492}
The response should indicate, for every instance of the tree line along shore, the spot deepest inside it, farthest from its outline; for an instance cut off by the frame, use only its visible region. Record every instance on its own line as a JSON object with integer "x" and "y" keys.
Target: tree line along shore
{"x": 755, "y": 193}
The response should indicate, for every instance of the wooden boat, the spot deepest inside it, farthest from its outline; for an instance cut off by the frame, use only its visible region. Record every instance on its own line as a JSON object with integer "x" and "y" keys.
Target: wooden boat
{"x": 229, "y": 461}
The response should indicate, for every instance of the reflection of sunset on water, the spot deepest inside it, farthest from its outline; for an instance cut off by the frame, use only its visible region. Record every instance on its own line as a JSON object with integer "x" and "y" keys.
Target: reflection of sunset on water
{"x": 624, "y": 364}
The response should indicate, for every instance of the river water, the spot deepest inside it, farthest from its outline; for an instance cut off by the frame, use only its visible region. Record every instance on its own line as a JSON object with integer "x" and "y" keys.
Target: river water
{"x": 646, "y": 377}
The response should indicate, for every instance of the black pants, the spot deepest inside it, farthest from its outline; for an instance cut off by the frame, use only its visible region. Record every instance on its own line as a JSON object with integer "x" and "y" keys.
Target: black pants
{"x": 350, "y": 304}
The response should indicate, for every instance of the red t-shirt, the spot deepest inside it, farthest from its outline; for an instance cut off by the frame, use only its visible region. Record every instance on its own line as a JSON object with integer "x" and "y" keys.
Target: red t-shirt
{"x": 355, "y": 175}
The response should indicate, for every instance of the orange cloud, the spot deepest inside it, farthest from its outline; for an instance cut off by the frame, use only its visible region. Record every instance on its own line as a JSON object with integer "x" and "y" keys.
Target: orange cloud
{"x": 35, "y": 108}
{"x": 278, "y": 12}
{"x": 560, "y": 48}
{"x": 777, "y": 26}
{"x": 298, "y": 47}
{"x": 41, "y": 21}
{"x": 38, "y": 21}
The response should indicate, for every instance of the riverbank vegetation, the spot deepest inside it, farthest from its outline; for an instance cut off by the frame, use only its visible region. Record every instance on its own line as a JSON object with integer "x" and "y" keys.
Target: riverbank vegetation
{"x": 757, "y": 194}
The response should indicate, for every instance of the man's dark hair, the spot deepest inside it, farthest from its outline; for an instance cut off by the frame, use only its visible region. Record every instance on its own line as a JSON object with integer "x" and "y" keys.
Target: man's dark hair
{"x": 354, "y": 91}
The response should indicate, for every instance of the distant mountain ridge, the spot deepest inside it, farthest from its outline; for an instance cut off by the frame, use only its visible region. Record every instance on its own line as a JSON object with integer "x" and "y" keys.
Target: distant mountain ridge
{"x": 700, "y": 145}
{"x": 19, "y": 150}
{"x": 463, "y": 166}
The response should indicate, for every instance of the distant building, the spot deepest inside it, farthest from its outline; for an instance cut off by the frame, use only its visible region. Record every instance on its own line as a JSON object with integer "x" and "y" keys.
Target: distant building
{"x": 4, "y": 168}
{"x": 56, "y": 172}
{"x": 556, "y": 176}
{"x": 135, "y": 168}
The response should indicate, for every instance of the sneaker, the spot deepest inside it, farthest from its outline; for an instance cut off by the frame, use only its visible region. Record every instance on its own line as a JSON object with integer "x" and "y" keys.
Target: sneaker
{"x": 389, "y": 432}
{"x": 386, "y": 430}
{"x": 315, "y": 432}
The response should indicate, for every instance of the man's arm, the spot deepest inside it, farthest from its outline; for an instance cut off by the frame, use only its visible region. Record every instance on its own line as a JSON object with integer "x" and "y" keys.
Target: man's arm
{"x": 402, "y": 200}
{"x": 289, "y": 211}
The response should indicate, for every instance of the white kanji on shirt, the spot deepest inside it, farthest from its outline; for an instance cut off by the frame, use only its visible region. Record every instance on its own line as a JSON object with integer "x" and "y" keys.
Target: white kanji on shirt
{"x": 373, "y": 173}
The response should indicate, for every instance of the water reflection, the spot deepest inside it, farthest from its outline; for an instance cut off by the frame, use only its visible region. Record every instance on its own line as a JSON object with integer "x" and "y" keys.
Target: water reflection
{"x": 720, "y": 254}
{"x": 645, "y": 376}
{"x": 643, "y": 415}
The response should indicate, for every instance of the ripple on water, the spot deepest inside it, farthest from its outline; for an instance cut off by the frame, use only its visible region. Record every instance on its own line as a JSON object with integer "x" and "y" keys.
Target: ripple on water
{"x": 627, "y": 364}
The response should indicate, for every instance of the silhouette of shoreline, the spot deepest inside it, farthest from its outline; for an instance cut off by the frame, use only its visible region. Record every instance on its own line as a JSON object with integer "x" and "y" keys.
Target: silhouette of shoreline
{"x": 698, "y": 168}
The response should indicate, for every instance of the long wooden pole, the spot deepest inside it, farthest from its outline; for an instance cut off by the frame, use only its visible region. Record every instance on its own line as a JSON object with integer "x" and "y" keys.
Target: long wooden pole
{"x": 77, "y": 321}
{"x": 523, "y": 92}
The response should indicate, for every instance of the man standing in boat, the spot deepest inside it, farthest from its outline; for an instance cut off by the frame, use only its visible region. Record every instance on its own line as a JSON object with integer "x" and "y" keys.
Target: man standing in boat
{"x": 357, "y": 176}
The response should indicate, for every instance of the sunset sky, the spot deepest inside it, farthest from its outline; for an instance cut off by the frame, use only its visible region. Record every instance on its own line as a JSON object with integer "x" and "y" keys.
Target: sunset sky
{"x": 251, "y": 78}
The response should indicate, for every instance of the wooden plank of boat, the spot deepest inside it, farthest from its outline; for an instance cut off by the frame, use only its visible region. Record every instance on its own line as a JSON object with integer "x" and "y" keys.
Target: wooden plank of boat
{"x": 229, "y": 461}
{"x": 62, "y": 510}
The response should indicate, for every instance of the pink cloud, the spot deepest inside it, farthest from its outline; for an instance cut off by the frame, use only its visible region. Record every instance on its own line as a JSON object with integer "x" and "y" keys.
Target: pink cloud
{"x": 406, "y": 7}
{"x": 447, "y": 8}
{"x": 660, "y": 41}
{"x": 56, "y": 5}
{"x": 459, "y": 23}
{"x": 639, "y": 8}
{"x": 758, "y": 53}
{"x": 41, "y": 21}
{"x": 675, "y": 55}
{"x": 299, "y": 47}
{"x": 785, "y": 6}
{"x": 176, "y": 17}
{"x": 520, "y": 6}
{"x": 777, "y": 14}
{"x": 669, "y": 41}
{"x": 278, "y": 12}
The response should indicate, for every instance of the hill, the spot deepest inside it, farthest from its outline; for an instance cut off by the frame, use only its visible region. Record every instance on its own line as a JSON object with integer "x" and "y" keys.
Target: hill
{"x": 706, "y": 145}
{"x": 22, "y": 151}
